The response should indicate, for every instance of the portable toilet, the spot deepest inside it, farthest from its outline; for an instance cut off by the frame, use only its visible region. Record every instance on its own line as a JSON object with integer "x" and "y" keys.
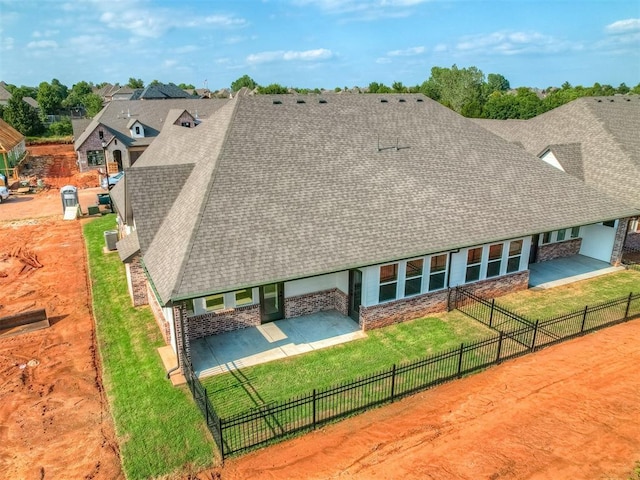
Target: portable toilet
{"x": 69, "y": 195}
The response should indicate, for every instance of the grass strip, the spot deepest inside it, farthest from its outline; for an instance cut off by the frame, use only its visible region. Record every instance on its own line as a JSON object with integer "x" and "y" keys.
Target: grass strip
{"x": 160, "y": 429}
{"x": 243, "y": 389}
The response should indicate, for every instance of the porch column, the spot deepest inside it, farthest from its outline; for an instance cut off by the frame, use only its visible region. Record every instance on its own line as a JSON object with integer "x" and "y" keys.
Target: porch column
{"x": 618, "y": 242}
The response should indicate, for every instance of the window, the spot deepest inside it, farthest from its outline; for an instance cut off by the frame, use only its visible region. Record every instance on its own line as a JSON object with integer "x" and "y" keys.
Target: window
{"x": 137, "y": 130}
{"x": 610, "y": 223}
{"x": 561, "y": 235}
{"x": 186, "y": 124}
{"x": 413, "y": 282}
{"x": 515, "y": 252}
{"x": 474, "y": 258}
{"x": 388, "y": 282}
{"x": 575, "y": 232}
{"x": 214, "y": 302}
{"x": 101, "y": 134}
{"x": 95, "y": 157}
{"x": 437, "y": 272}
{"x": 495, "y": 260}
{"x": 244, "y": 297}
{"x": 546, "y": 237}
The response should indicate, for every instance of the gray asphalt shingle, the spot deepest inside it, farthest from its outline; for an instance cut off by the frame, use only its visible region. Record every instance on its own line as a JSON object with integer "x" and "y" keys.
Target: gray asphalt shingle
{"x": 289, "y": 190}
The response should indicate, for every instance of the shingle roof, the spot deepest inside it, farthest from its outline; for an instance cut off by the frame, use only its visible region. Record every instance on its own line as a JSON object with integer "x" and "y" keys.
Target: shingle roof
{"x": 289, "y": 190}
{"x": 9, "y": 137}
{"x": 128, "y": 246}
{"x": 160, "y": 92}
{"x": 116, "y": 116}
{"x": 606, "y": 129}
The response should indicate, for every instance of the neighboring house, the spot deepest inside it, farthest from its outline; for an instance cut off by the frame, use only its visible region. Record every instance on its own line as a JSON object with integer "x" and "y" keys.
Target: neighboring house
{"x": 12, "y": 149}
{"x": 595, "y": 139}
{"x": 160, "y": 91}
{"x": 5, "y": 95}
{"x": 372, "y": 205}
{"x": 118, "y": 135}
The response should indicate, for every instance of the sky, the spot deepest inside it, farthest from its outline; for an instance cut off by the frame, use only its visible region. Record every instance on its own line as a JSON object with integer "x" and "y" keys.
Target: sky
{"x": 318, "y": 43}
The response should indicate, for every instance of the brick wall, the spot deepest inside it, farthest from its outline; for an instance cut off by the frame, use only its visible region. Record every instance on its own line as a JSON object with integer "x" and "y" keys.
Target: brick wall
{"x": 213, "y": 323}
{"x": 406, "y": 309}
{"x": 163, "y": 325}
{"x": 93, "y": 142}
{"x": 138, "y": 286}
{"x": 633, "y": 240}
{"x": 618, "y": 242}
{"x": 559, "y": 250}
{"x": 185, "y": 117}
{"x": 307, "y": 304}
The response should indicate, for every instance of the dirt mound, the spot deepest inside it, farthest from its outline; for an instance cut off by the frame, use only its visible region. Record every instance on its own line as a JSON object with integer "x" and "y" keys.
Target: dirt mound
{"x": 54, "y": 166}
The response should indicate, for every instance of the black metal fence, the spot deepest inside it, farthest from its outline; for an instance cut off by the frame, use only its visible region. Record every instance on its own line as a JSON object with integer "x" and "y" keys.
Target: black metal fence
{"x": 516, "y": 336}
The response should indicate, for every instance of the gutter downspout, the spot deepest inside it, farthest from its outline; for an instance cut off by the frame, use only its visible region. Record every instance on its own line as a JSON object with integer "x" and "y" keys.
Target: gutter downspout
{"x": 171, "y": 370}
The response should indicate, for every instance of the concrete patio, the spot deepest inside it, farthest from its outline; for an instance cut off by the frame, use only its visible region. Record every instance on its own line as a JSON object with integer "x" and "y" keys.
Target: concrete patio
{"x": 272, "y": 341}
{"x": 566, "y": 270}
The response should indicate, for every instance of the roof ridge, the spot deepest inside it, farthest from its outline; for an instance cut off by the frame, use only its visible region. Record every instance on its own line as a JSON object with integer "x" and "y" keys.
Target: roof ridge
{"x": 205, "y": 197}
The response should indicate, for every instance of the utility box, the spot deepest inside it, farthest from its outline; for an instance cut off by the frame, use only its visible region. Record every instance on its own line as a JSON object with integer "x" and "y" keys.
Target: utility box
{"x": 69, "y": 197}
{"x": 104, "y": 199}
{"x": 110, "y": 239}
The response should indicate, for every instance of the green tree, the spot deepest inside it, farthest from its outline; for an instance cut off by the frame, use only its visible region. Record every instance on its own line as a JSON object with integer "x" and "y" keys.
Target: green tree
{"x": 454, "y": 87}
{"x": 185, "y": 86}
{"x": 636, "y": 89}
{"x": 92, "y": 104}
{"x": 61, "y": 128}
{"x": 375, "y": 87}
{"x": 623, "y": 89}
{"x": 398, "y": 87}
{"x": 77, "y": 93}
{"x": 243, "y": 81}
{"x": 50, "y": 96}
{"x": 135, "y": 83}
{"x": 154, "y": 83}
{"x": 274, "y": 88}
{"x": 495, "y": 83}
{"x": 523, "y": 105}
{"x": 22, "y": 116}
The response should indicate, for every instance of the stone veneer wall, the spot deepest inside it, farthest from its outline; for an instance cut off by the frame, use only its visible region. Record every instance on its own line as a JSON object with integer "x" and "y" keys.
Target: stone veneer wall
{"x": 633, "y": 241}
{"x": 563, "y": 249}
{"x": 307, "y": 304}
{"x": 163, "y": 324}
{"x": 227, "y": 320}
{"x": 93, "y": 142}
{"x": 405, "y": 309}
{"x": 618, "y": 242}
{"x": 138, "y": 279}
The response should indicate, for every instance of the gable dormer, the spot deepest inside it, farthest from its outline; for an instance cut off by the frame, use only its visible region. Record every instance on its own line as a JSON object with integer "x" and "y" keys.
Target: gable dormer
{"x": 186, "y": 120}
{"x": 136, "y": 128}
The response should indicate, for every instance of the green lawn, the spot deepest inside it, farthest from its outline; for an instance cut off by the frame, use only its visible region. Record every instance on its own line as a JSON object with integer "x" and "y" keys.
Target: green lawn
{"x": 238, "y": 391}
{"x": 541, "y": 304}
{"x": 160, "y": 430}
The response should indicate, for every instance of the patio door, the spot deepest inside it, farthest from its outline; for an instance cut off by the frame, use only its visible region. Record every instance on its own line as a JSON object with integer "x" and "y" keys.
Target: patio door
{"x": 272, "y": 302}
{"x": 533, "y": 253}
{"x": 355, "y": 294}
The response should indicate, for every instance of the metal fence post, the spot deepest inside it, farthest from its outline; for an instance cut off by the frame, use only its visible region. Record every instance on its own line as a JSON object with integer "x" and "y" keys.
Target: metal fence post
{"x": 584, "y": 318}
{"x": 206, "y": 406}
{"x": 221, "y": 438}
{"x": 626, "y": 312}
{"x": 493, "y": 304}
{"x": 535, "y": 334}
{"x": 499, "y": 347}
{"x": 393, "y": 381}
{"x": 460, "y": 359}
{"x": 314, "y": 408}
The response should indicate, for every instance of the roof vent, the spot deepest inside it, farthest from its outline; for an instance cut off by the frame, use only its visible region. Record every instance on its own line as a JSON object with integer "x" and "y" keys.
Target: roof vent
{"x": 611, "y": 100}
{"x": 322, "y": 100}
{"x": 300, "y": 101}
{"x": 419, "y": 100}
{"x": 628, "y": 99}
{"x": 277, "y": 102}
{"x": 598, "y": 100}
{"x": 402, "y": 100}
{"x": 384, "y": 100}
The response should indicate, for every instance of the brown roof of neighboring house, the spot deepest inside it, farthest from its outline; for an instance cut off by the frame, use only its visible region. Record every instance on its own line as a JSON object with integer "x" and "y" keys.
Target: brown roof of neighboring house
{"x": 9, "y": 137}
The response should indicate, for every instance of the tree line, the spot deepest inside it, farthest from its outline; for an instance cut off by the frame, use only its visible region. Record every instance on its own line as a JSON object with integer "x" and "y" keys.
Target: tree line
{"x": 465, "y": 90}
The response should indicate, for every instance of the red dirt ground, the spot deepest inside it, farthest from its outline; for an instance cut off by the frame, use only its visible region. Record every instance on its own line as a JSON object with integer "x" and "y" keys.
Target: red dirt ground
{"x": 54, "y": 419}
{"x": 567, "y": 412}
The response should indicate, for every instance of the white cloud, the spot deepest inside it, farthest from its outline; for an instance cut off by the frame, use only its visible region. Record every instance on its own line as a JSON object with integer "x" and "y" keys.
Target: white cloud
{"x": 43, "y": 44}
{"x": 45, "y": 34}
{"x": 383, "y": 60}
{"x": 6, "y": 43}
{"x": 364, "y": 10}
{"x": 407, "y": 52}
{"x": 169, "y": 63}
{"x": 290, "y": 55}
{"x": 624, "y": 26}
{"x": 225, "y": 21}
{"x": 441, "y": 47}
{"x": 185, "y": 49}
{"x": 513, "y": 43}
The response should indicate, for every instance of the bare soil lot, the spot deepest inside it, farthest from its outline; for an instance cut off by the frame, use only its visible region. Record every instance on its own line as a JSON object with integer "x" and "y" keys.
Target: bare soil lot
{"x": 54, "y": 419}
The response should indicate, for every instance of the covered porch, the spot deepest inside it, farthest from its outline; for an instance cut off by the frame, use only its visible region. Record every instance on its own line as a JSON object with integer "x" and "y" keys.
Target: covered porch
{"x": 216, "y": 354}
{"x": 560, "y": 271}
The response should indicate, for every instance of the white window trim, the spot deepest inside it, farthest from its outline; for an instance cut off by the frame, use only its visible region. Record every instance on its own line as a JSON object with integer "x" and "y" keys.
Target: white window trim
{"x": 402, "y": 277}
{"x": 200, "y": 304}
{"x": 554, "y": 236}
